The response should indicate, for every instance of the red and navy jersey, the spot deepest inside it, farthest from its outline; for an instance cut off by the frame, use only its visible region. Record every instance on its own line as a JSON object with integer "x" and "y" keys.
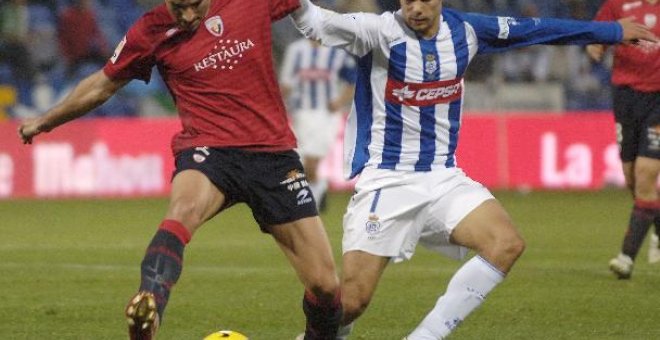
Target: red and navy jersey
{"x": 637, "y": 66}
{"x": 221, "y": 75}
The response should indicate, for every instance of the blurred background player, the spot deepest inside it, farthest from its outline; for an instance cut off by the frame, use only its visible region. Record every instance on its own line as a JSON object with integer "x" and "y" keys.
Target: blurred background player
{"x": 318, "y": 83}
{"x": 636, "y": 96}
{"x": 235, "y": 145}
{"x": 80, "y": 38}
{"x": 401, "y": 139}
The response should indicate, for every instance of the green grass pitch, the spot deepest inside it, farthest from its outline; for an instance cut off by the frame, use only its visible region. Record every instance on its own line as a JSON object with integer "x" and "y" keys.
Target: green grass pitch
{"x": 68, "y": 267}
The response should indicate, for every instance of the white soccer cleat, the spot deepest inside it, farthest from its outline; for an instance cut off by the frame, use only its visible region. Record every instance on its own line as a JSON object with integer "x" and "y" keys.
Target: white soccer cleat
{"x": 300, "y": 336}
{"x": 622, "y": 266}
{"x": 654, "y": 249}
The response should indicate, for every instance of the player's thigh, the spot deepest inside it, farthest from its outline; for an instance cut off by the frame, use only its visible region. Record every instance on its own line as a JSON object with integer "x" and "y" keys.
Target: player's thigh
{"x": 646, "y": 178}
{"x": 488, "y": 230}
{"x": 306, "y": 246}
{"x": 648, "y": 111}
{"x": 482, "y": 225}
{"x": 628, "y": 122}
{"x": 193, "y": 199}
{"x": 456, "y": 197}
{"x": 276, "y": 189}
{"x": 385, "y": 215}
{"x": 629, "y": 175}
{"x": 647, "y": 108}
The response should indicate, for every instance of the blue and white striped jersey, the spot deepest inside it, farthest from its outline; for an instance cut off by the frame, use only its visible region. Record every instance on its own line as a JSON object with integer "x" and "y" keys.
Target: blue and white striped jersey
{"x": 313, "y": 73}
{"x": 409, "y": 90}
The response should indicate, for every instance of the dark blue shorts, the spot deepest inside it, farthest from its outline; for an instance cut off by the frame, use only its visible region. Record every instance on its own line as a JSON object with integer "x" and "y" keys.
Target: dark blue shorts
{"x": 637, "y": 116}
{"x": 272, "y": 184}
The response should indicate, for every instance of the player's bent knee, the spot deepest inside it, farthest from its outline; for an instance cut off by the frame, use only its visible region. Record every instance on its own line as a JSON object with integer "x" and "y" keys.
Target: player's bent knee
{"x": 515, "y": 246}
{"x": 324, "y": 284}
{"x": 355, "y": 298}
{"x": 188, "y": 213}
{"x": 509, "y": 247}
{"x": 504, "y": 249}
{"x": 353, "y": 308}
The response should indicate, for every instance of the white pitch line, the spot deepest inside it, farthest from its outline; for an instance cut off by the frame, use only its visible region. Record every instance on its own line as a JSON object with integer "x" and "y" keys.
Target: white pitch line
{"x": 136, "y": 267}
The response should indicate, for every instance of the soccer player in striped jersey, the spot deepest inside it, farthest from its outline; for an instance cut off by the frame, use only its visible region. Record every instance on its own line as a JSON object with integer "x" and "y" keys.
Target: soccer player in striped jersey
{"x": 402, "y": 137}
{"x": 318, "y": 83}
{"x": 636, "y": 92}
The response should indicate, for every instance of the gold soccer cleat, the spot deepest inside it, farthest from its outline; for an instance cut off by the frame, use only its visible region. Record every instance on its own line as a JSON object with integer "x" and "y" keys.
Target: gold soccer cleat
{"x": 142, "y": 316}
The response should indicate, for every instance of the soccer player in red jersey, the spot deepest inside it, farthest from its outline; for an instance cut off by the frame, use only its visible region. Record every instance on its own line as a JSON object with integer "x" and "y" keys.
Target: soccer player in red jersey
{"x": 235, "y": 144}
{"x": 636, "y": 93}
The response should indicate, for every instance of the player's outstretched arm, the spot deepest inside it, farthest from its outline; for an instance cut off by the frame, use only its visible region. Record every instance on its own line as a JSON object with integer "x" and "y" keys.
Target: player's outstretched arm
{"x": 633, "y": 32}
{"x": 357, "y": 33}
{"x": 87, "y": 95}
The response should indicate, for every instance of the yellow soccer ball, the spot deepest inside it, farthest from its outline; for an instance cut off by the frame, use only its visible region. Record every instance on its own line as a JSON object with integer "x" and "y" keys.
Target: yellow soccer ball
{"x": 226, "y": 335}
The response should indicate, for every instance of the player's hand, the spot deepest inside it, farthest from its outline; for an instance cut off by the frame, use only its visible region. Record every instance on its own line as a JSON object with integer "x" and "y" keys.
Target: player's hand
{"x": 634, "y": 32}
{"x": 333, "y": 106}
{"x": 28, "y": 129}
{"x": 596, "y": 52}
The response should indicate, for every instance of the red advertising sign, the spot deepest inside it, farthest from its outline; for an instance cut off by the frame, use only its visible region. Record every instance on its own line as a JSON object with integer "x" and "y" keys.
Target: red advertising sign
{"x": 562, "y": 152}
{"x": 132, "y": 157}
{"x": 117, "y": 157}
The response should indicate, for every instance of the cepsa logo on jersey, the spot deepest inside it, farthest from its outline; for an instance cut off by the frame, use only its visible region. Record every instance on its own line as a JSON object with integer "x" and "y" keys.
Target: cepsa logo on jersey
{"x": 313, "y": 73}
{"x": 424, "y": 94}
{"x": 225, "y": 55}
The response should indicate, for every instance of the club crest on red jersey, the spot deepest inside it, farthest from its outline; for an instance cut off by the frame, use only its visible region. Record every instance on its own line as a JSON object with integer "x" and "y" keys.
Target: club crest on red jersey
{"x": 650, "y": 20}
{"x": 214, "y": 25}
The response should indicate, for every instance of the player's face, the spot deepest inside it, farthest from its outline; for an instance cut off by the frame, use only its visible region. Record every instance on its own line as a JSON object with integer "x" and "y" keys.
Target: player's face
{"x": 422, "y": 16}
{"x": 188, "y": 13}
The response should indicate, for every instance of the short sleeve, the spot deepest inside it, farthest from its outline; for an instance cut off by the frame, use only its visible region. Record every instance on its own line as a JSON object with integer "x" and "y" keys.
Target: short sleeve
{"x": 132, "y": 59}
{"x": 281, "y": 8}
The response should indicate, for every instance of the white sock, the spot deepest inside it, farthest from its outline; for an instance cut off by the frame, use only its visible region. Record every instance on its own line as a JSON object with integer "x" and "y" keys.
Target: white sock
{"x": 466, "y": 291}
{"x": 344, "y": 331}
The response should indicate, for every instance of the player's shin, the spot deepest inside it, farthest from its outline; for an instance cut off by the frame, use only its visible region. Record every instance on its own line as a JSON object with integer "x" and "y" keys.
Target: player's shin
{"x": 466, "y": 291}
{"x": 323, "y": 317}
{"x": 641, "y": 217}
{"x": 163, "y": 260}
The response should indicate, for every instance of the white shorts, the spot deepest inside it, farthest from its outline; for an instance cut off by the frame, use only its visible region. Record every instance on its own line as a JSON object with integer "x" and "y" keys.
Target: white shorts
{"x": 316, "y": 131}
{"x": 392, "y": 211}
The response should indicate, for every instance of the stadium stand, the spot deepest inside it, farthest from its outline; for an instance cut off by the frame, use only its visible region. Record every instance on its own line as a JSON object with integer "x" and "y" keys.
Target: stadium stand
{"x": 34, "y": 73}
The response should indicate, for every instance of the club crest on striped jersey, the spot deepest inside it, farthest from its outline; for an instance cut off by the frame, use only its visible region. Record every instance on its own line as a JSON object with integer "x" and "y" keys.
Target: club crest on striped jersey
{"x": 372, "y": 226}
{"x": 430, "y": 64}
{"x": 214, "y": 25}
